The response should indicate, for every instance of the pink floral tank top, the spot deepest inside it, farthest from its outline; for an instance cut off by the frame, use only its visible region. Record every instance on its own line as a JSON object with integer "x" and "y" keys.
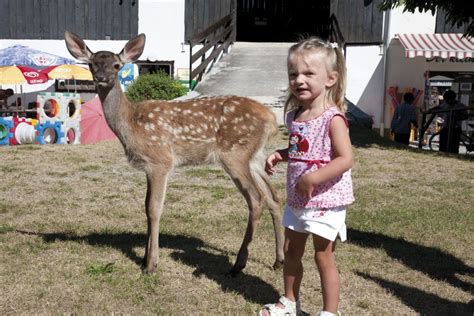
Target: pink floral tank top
{"x": 309, "y": 149}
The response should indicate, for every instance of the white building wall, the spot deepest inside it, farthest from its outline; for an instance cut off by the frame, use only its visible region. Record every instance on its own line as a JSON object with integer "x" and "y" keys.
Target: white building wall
{"x": 402, "y": 72}
{"x": 367, "y": 79}
{"x": 162, "y": 21}
{"x": 406, "y": 22}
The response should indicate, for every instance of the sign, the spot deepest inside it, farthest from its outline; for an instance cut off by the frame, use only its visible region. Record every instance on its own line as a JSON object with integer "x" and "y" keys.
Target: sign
{"x": 441, "y": 83}
{"x": 450, "y": 60}
{"x": 127, "y": 75}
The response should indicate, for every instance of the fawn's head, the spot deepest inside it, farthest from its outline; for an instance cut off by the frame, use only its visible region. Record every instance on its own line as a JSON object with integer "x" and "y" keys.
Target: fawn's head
{"x": 104, "y": 65}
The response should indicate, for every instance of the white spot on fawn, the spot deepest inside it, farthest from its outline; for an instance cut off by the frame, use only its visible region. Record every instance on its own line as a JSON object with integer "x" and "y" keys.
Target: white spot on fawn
{"x": 150, "y": 127}
{"x": 229, "y": 109}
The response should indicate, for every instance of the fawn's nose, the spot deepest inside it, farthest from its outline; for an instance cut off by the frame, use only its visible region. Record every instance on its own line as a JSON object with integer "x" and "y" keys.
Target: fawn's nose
{"x": 99, "y": 78}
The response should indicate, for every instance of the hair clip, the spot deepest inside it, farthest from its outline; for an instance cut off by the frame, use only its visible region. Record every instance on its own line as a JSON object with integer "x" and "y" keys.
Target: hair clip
{"x": 333, "y": 45}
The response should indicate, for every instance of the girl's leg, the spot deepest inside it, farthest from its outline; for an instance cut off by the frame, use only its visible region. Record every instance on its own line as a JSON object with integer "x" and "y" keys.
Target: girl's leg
{"x": 293, "y": 267}
{"x": 326, "y": 262}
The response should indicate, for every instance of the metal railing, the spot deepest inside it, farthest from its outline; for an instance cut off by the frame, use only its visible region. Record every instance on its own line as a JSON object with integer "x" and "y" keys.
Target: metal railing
{"x": 426, "y": 121}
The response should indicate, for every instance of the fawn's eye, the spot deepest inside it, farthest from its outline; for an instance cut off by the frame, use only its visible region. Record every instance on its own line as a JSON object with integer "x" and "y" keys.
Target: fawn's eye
{"x": 117, "y": 66}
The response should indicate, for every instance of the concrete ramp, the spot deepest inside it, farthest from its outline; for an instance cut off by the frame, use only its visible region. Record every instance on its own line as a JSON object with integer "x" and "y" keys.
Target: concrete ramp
{"x": 254, "y": 70}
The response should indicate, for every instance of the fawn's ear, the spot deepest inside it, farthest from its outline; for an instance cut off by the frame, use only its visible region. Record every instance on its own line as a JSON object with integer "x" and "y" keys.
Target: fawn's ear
{"x": 76, "y": 46}
{"x": 133, "y": 49}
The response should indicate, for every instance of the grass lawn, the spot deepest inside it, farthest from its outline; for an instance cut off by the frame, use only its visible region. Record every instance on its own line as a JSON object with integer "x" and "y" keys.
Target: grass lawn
{"x": 73, "y": 231}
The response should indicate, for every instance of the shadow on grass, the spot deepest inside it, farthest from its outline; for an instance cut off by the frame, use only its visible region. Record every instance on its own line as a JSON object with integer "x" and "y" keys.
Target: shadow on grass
{"x": 363, "y": 137}
{"x": 188, "y": 250}
{"x": 422, "y": 302}
{"x": 434, "y": 262}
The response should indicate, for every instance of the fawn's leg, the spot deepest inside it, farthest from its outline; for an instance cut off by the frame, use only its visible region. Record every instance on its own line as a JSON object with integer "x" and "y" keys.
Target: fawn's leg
{"x": 155, "y": 196}
{"x": 273, "y": 202}
{"x": 239, "y": 171}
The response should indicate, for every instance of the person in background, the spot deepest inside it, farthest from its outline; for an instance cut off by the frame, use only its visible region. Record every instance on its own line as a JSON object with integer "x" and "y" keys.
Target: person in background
{"x": 4, "y": 95}
{"x": 403, "y": 118}
{"x": 434, "y": 98}
{"x": 451, "y": 128}
{"x": 18, "y": 103}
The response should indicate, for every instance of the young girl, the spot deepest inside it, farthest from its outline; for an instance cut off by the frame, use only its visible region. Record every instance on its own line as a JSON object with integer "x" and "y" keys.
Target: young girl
{"x": 319, "y": 185}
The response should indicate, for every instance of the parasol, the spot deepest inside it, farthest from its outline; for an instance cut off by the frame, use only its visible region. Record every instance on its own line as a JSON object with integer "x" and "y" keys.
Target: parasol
{"x": 68, "y": 72}
{"x": 21, "y": 75}
{"x": 94, "y": 127}
{"x": 26, "y": 56}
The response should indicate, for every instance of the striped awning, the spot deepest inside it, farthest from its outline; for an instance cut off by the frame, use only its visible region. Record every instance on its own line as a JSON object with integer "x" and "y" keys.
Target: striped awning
{"x": 444, "y": 45}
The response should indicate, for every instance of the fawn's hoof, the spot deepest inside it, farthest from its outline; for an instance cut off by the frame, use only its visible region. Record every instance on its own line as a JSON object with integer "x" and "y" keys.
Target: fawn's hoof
{"x": 149, "y": 270}
{"x": 148, "y": 267}
{"x": 235, "y": 271}
{"x": 278, "y": 265}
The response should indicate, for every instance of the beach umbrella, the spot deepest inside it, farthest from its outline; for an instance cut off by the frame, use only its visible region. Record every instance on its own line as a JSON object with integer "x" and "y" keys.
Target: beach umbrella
{"x": 27, "y": 56}
{"x": 21, "y": 75}
{"x": 68, "y": 72}
{"x": 94, "y": 127}
{"x": 17, "y": 75}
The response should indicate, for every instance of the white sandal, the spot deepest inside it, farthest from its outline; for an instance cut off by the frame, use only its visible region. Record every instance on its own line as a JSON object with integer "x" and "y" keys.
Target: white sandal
{"x": 324, "y": 313}
{"x": 289, "y": 308}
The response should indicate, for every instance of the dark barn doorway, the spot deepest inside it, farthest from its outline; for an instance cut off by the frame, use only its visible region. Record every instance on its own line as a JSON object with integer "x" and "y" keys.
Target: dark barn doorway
{"x": 282, "y": 20}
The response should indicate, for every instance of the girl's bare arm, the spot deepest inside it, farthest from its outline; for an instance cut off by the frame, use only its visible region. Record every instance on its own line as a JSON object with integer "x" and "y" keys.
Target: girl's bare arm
{"x": 274, "y": 159}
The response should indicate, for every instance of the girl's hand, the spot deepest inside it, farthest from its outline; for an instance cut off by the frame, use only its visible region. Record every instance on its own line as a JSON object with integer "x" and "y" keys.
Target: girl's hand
{"x": 305, "y": 186}
{"x": 271, "y": 162}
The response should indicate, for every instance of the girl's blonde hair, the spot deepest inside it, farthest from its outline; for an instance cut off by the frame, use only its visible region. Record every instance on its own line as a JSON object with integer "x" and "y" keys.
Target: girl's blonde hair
{"x": 334, "y": 62}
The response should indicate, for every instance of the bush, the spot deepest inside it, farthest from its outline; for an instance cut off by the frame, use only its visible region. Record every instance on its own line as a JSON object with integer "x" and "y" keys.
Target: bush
{"x": 157, "y": 86}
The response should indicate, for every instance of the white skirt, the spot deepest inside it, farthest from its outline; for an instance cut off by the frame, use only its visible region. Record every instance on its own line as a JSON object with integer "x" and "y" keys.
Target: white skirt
{"x": 324, "y": 222}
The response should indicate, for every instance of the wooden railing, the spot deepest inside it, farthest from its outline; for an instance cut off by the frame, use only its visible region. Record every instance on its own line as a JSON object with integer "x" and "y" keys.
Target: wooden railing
{"x": 335, "y": 34}
{"x": 215, "y": 39}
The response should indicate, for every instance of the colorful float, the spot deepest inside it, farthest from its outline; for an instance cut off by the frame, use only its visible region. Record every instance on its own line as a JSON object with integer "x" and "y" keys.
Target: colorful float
{"x": 58, "y": 117}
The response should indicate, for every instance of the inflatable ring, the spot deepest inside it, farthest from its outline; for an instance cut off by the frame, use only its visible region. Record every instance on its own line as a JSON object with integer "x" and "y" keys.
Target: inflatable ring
{"x": 54, "y": 111}
{"x": 72, "y": 132}
{"x": 5, "y": 131}
{"x": 77, "y": 108}
{"x": 25, "y": 133}
{"x": 43, "y": 130}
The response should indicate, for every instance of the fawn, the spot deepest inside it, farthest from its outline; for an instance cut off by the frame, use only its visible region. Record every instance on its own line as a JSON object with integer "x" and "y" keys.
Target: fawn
{"x": 160, "y": 135}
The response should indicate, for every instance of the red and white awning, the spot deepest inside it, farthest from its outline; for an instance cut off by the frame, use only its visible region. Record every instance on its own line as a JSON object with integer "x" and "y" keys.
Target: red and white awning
{"x": 444, "y": 45}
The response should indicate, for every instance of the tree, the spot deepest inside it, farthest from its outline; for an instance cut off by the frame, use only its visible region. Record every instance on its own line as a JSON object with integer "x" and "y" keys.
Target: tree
{"x": 458, "y": 12}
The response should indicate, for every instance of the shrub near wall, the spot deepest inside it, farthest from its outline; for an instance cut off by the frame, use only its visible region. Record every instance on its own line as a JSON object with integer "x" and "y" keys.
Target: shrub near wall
{"x": 156, "y": 86}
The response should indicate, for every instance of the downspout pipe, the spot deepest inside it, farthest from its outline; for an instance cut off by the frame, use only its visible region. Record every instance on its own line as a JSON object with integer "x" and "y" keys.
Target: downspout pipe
{"x": 385, "y": 43}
